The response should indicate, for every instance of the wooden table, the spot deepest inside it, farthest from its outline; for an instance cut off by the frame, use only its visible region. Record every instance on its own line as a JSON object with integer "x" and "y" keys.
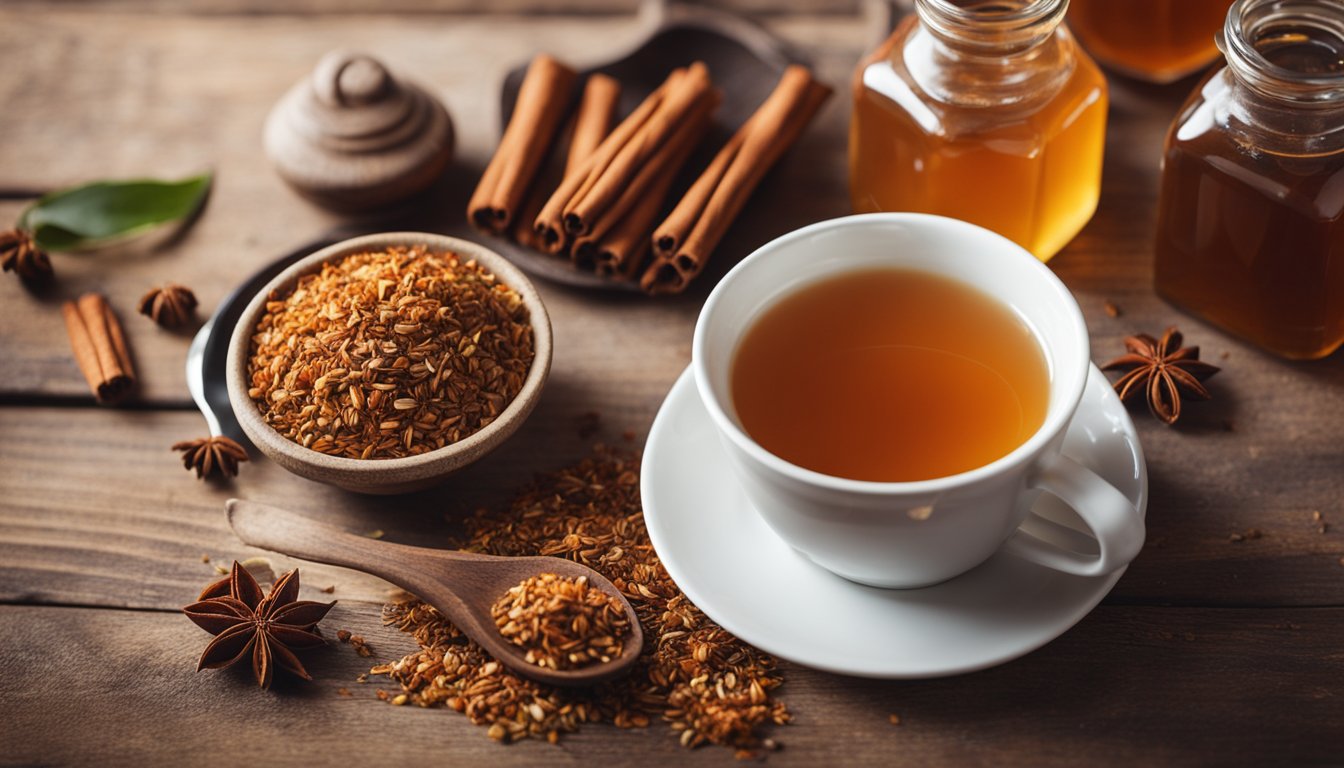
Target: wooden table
{"x": 1208, "y": 651}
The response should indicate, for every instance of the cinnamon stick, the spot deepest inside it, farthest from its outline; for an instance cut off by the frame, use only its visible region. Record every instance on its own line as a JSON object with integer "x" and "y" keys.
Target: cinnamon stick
{"x": 683, "y": 96}
{"x": 683, "y": 243}
{"x": 523, "y": 234}
{"x": 542, "y": 102}
{"x": 548, "y": 225}
{"x": 99, "y": 346}
{"x": 620, "y": 252}
{"x": 615, "y": 244}
{"x": 590, "y": 126}
{"x": 592, "y": 122}
{"x": 589, "y": 193}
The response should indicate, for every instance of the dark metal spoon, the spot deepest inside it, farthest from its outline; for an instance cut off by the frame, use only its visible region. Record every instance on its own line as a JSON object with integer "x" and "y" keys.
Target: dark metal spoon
{"x": 209, "y": 350}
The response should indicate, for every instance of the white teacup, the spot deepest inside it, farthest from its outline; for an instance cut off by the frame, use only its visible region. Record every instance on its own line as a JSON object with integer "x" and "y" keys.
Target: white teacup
{"x": 912, "y": 534}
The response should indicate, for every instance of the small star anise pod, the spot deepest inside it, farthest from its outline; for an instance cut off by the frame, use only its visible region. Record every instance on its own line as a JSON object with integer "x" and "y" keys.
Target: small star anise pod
{"x": 19, "y": 254}
{"x": 170, "y": 305}
{"x": 1164, "y": 370}
{"x": 212, "y": 456}
{"x": 245, "y": 623}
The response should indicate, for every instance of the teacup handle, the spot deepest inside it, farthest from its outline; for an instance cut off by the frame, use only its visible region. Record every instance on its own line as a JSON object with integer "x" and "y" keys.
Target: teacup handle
{"x": 1117, "y": 527}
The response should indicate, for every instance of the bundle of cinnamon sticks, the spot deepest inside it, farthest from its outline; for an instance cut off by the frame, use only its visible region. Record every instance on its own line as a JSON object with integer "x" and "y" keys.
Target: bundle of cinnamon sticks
{"x": 608, "y": 210}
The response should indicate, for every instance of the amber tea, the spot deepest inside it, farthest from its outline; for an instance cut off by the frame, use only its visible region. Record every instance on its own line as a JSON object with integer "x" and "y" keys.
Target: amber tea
{"x": 890, "y": 375}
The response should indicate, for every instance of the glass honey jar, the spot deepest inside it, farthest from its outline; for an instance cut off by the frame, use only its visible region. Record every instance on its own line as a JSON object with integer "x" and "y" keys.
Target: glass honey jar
{"x": 1250, "y": 227}
{"x": 1155, "y": 40}
{"x": 982, "y": 110}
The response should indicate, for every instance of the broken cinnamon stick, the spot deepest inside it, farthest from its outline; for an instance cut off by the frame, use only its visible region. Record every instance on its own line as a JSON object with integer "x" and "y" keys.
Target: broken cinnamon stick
{"x": 542, "y": 102}
{"x": 683, "y": 243}
{"x": 99, "y": 346}
{"x": 596, "y": 184}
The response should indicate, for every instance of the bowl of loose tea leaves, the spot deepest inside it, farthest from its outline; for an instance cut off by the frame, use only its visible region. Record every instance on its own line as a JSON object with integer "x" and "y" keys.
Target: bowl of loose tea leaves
{"x": 385, "y": 363}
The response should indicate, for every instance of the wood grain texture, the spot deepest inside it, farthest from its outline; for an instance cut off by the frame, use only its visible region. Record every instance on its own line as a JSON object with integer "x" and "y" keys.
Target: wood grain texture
{"x": 493, "y": 8}
{"x": 121, "y": 524}
{"x": 1127, "y": 686}
{"x": 153, "y": 106}
{"x": 1245, "y": 669}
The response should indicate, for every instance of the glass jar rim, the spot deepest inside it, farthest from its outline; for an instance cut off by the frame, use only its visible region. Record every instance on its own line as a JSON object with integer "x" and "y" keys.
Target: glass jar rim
{"x": 1031, "y": 12}
{"x": 1247, "y": 23}
{"x": 1002, "y": 24}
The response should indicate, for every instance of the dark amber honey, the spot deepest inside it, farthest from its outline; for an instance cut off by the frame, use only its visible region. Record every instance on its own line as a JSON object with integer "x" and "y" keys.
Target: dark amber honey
{"x": 1157, "y": 40}
{"x": 1251, "y": 236}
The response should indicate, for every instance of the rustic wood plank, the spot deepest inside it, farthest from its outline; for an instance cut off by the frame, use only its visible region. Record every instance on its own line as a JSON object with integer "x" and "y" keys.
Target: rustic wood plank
{"x": 119, "y": 523}
{"x": 93, "y": 95}
{"x": 96, "y": 510}
{"x": 174, "y": 83}
{"x": 1127, "y": 686}
{"x": 252, "y": 218}
{"x": 407, "y": 7}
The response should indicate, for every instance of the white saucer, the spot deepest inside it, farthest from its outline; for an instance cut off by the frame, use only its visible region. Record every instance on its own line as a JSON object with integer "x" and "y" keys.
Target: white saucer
{"x": 730, "y": 564}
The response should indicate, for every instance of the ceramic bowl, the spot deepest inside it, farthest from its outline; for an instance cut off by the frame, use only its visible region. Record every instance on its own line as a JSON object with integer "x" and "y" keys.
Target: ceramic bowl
{"x": 385, "y": 476}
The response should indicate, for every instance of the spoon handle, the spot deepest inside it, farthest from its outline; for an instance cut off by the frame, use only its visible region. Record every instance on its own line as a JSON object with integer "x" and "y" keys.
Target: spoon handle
{"x": 455, "y": 583}
{"x": 280, "y": 530}
{"x": 196, "y": 376}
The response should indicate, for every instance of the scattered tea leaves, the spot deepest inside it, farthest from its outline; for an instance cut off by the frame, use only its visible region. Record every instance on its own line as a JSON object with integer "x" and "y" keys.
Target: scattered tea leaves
{"x": 710, "y": 687}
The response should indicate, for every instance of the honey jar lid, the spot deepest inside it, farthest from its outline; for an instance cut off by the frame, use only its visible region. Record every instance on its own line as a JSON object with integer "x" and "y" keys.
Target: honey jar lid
{"x": 353, "y": 136}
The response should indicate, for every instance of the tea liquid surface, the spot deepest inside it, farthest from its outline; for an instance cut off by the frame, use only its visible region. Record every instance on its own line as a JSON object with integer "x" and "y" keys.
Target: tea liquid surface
{"x": 890, "y": 375}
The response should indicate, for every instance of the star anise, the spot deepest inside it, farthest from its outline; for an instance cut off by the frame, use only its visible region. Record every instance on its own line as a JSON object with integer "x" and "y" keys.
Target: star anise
{"x": 245, "y": 623}
{"x": 170, "y": 305}
{"x": 211, "y": 457}
{"x": 1164, "y": 370}
{"x": 19, "y": 254}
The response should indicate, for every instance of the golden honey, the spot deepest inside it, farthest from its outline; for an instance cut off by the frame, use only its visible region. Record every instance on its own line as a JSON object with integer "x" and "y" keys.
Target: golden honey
{"x": 1003, "y": 128}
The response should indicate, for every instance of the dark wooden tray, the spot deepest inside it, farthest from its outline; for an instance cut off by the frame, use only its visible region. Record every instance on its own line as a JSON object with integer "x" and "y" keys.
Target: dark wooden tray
{"x": 744, "y": 60}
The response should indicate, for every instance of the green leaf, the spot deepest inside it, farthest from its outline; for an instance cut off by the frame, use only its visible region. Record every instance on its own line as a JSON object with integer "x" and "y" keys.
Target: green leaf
{"x": 94, "y": 214}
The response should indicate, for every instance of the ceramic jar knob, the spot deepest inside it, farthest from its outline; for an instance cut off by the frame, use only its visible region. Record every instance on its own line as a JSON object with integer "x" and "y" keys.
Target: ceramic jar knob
{"x": 354, "y": 137}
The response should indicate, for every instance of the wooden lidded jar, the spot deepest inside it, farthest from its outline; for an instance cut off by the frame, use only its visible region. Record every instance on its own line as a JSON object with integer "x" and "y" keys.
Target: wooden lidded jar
{"x": 353, "y": 137}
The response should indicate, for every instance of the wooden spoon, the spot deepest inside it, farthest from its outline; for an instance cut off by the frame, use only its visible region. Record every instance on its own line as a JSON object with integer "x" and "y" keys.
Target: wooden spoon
{"x": 461, "y": 585}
